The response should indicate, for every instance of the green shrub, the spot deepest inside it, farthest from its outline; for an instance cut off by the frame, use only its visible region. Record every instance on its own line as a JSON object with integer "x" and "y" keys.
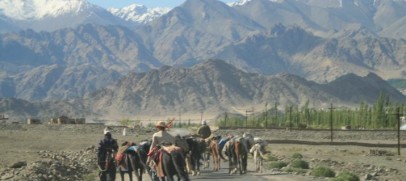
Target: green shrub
{"x": 278, "y": 164}
{"x": 346, "y": 176}
{"x": 323, "y": 172}
{"x": 298, "y": 163}
{"x": 296, "y": 170}
{"x": 272, "y": 158}
{"x": 297, "y": 156}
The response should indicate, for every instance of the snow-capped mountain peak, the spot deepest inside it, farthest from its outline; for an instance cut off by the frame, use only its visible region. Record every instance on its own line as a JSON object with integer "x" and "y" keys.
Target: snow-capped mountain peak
{"x": 138, "y": 13}
{"x": 243, "y": 2}
{"x": 37, "y": 9}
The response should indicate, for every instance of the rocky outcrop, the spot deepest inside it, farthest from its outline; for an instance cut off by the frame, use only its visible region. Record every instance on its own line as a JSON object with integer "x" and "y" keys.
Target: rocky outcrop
{"x": 63, "y": 165}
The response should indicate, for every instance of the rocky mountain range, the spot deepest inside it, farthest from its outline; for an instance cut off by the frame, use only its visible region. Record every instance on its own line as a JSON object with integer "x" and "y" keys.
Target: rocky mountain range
{"x": 73, "y": 49}
{"x": 212, "y": 87}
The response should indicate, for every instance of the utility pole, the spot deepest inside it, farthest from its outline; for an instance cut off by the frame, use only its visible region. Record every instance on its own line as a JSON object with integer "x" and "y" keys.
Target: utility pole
{"x": 246, "y": 115}
{"x": 331, "y": 121}
{"x": 276, "y": 114}
{"x": 246, "y": 118}
{"x": 225, "y": 119}
{"x": 180, "y": 117}
{"x": 398, "y": 115}
{"x": 290, "y": 118}
{"x": 266, "y": 115}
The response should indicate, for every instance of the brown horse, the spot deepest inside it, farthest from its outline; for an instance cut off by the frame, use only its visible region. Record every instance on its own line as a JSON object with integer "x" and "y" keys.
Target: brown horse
{"x": 215, "y": 153}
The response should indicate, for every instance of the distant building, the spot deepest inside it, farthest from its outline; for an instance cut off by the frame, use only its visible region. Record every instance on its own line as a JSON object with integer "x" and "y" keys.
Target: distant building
{"x": 67, "y": 120}
{"x": 3, "y": 117}
{"x": 33, "y": 121}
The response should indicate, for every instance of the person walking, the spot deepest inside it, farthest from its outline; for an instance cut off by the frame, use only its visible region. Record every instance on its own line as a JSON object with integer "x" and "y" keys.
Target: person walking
{"x": 105, "y": 156}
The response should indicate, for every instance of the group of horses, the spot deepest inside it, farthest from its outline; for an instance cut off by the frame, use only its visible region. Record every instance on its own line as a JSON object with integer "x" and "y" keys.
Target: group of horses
{"x": 187, "y": 160}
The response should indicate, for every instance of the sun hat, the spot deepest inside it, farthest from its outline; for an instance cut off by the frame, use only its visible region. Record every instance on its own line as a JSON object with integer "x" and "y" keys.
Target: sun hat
{"x": 160, "y": 124}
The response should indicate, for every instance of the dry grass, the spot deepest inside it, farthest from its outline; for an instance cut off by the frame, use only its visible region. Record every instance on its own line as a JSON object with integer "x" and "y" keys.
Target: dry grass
{"x": 23, "y": 142}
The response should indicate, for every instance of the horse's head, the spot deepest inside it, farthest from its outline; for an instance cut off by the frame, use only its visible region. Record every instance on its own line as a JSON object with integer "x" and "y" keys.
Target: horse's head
{"x": 249, "y": 138}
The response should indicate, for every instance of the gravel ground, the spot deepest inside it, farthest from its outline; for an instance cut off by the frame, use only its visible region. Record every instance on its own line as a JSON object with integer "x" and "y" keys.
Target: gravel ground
{"x": 26, "y": 142}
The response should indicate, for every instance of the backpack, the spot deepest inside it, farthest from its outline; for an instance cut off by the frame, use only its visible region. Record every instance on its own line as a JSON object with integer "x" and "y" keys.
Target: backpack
{"x": 204, "y": 131}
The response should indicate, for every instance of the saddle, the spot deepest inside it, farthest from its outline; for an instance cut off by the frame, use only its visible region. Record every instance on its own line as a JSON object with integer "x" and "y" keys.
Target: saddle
{"x": 171, "y": 149}
{"x": 155, "y": 157}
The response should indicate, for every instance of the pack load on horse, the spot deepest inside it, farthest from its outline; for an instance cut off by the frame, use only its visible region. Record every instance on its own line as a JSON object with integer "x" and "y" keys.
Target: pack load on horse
{"x": 237, "y": 149}
{"x": 228, "y": 151}
{"x": 164, "y": 158}
{"x": 105, "y": 157}
{"x": 129, "y": 160}
{"x": 123, "y": 161}
{"x": 221, "y": 144}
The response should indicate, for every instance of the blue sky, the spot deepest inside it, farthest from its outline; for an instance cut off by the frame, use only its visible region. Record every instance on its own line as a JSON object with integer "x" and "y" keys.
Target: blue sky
{"x": 148, "y": 3}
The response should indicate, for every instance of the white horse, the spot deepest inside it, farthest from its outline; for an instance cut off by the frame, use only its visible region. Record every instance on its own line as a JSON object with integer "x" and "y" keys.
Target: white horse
{"x": 258, "y": 150}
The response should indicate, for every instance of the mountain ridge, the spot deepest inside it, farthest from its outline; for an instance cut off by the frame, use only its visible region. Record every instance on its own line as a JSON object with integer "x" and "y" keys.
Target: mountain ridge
{"x": 321, "y": 43}
{"x": 215, "y": 87}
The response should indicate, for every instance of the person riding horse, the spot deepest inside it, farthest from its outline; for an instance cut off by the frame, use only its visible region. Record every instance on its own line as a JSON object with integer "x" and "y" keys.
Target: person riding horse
{"x": 105, "y": 156}
{"x": 204, "y": 130}
{"x": 162, "y": 136}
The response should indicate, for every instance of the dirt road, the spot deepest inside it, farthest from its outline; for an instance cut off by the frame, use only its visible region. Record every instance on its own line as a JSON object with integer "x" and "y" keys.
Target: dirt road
{"x": 208, "y": 174}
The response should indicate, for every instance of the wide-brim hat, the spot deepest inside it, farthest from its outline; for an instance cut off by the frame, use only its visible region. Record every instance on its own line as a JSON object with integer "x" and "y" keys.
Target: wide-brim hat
{"x": 161, "y": 124}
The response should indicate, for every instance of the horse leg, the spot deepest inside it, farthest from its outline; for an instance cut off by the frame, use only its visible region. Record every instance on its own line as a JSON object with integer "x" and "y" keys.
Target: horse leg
{"x": 242, "y": 164}
{"x": 260, "y": 164}
{"x": 214, "y": 163}
{"x": 111, "y": 172}
{"x": 230, "y": 164}
{"x": 187, "y": 161}
{"x": 121, "y": 174}
{"x": 207, "y": 159}
{"x": 102, "y": 176}
{"x": 215, "y": 159}
{"x": 217, "y": 163}
{"x": 195, "y": 164}
{"x": 140, "y": 172}
{"x": 130, "y": 166}
{"x": 198, "y": 158}
{"x": 130, "y": 175}
{"x": 256, "y": 163}
{"x": 178, "y": 163}
{"x": 204, "y": 160}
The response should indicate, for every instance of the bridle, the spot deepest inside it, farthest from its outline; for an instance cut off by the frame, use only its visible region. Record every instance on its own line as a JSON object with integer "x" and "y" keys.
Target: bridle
{"x": 109, "y": 156}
